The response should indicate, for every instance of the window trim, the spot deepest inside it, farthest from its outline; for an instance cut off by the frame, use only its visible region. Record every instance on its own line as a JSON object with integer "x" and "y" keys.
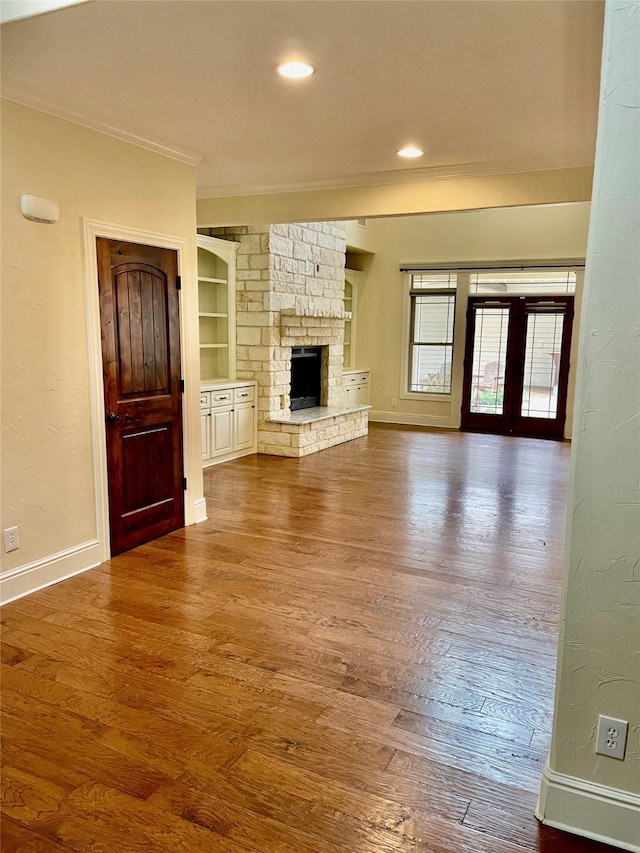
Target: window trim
{"x": 454, "y": 398}
{"x": 411, "y": 343}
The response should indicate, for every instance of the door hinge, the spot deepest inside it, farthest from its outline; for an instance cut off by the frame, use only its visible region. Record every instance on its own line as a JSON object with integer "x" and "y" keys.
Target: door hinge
{"x": 184, "y": 484}
{"x": 178, "y": 282}
{"x": 182, "y": 386}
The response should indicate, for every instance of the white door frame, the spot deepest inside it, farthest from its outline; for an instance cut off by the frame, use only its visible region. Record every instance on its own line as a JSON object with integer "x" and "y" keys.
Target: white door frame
{"x": 194, "y": 506}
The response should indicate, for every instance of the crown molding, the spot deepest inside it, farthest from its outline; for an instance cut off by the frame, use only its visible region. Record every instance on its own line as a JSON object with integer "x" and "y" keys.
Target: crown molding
{"x": 363, "y": 180}
{"x": 58, "y": 111}
{"x": 379, "y": 179}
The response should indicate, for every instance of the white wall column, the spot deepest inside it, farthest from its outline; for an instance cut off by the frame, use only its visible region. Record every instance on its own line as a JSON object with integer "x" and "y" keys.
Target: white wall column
{"x": 599, "y": 654}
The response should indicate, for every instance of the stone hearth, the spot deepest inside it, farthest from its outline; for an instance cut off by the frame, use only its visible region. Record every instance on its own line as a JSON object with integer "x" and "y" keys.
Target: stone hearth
{"x": 290, "y": 288}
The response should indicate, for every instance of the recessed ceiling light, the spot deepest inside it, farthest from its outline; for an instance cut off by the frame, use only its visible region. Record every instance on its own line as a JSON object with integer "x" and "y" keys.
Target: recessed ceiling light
{"x": 295, "y": 70}
{"x": 410, "y": 152}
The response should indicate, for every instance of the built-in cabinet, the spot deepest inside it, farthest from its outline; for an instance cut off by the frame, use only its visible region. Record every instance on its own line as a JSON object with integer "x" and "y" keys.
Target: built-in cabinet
{"x": 229, "y": 422}
{"x": 227, "y": 408}
{"x": 217, "y": 307}
{"x": 356, "y": 387}
{"x": 351, "y": 279}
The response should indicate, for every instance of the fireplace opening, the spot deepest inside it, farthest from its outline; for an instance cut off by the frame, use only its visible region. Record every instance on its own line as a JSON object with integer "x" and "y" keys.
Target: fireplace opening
{"x": 306, "y": 377}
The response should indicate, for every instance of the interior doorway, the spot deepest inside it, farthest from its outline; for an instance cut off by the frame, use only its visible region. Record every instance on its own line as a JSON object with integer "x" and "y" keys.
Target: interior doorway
{"x": 140, "y": 322}
{"x": 516, "y": 366}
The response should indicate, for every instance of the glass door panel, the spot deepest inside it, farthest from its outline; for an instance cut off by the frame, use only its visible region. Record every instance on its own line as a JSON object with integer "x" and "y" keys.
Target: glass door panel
{"x": 489, "y": 360}
{"x": 542, "y": 351}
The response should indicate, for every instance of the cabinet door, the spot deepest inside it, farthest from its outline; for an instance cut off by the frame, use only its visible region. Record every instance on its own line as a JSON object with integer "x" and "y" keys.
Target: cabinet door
{"x": 205, "y": 425}
{"x": 221, "y": 430}
{"x": 362, "y": 395}
{"x": 349, "y": 396}
{"x": 244, "y": 426}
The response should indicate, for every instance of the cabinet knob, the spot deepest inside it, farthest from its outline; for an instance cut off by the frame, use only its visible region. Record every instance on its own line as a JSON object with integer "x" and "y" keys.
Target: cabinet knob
{"x": 112, "y": 417}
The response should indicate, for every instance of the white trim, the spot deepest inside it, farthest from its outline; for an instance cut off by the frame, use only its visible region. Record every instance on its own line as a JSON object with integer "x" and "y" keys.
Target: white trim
{"x": 24, "y": 580}
{"x": 379, "y": 179}
{"x": 454, "y": 397}
{"x": 200, "y": 510}
{"x": 411, "y": 420}
{"x": 590, "y": 810}
{"x": 58, "y": 111}
{"x": 425, "y": 396}
{"x": 91, "y": 230}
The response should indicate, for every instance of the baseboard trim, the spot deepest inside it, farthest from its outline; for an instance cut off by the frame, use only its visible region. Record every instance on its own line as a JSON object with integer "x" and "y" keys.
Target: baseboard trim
{"x": 227, "y": 457}
{"x": 31, "y": 577}
{"x": 592, "y": 811}
{"x": 410, "y": 420}
{"x": 199, "y": 510}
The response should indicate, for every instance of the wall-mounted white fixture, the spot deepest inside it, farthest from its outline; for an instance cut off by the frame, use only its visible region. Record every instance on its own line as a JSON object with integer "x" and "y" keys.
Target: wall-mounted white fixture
{"x": 39, "y": 209}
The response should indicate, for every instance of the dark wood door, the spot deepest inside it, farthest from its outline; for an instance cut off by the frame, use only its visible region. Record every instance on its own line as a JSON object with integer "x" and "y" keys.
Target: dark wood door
{"x": 142, "y": 391}
{"x": 517, "y": 365}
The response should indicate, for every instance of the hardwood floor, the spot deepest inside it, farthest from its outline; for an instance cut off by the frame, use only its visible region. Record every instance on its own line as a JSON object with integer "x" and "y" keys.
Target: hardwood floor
{"x": 355, "y": 654}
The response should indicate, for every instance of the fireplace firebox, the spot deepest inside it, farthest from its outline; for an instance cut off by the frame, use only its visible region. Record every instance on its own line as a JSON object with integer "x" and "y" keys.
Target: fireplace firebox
{"x": 306, "y": 377}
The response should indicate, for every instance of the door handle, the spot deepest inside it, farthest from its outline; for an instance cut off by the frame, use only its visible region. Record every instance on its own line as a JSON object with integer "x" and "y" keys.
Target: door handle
{"x": 112, "y": 417}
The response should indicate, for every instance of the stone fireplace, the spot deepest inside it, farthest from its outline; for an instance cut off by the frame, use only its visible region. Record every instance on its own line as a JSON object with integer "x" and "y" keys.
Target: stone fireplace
{"x": 290, "y": 292}
{"x": 306, "y": 378}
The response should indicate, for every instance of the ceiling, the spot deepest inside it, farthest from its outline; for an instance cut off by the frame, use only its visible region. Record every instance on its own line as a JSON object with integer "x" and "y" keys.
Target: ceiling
{"x": 483, "y": 86}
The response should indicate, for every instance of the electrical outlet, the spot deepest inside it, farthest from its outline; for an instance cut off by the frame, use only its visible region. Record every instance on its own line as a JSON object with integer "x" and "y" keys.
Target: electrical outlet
{"x": 11, "y": 539}
{"x": 394, "y": 402}
{"x": 612, "y": 737}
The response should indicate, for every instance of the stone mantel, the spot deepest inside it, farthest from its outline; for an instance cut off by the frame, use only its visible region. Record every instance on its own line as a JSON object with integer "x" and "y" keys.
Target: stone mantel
{"x": 312, "y": 326}
{"x": 315, "y": 313}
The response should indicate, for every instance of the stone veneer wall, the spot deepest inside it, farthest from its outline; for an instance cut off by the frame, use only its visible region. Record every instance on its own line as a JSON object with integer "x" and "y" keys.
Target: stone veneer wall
{"x": 290, "y": 292}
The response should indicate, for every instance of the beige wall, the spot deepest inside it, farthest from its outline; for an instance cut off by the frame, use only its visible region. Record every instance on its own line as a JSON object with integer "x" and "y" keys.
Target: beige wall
{"x": 47, "y": 473}
{"x": 418, "y": 196}
{"x": 599, "y": 664}
{"x": 557, "y": 231}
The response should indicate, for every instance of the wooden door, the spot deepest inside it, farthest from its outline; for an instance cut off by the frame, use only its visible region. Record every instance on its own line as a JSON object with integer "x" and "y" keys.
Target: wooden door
{"x": 142, "y": 390}
{"x": 517, "y": 365}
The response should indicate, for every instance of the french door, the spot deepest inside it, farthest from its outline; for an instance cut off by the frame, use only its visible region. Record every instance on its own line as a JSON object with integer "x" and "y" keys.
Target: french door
{"x": 517, "y": 365}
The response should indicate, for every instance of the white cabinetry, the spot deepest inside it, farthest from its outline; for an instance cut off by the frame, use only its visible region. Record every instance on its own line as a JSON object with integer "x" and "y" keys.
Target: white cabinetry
{"x": 217, "y": 307}
{"x": 229, "y": 424}
{"x": 351, "y": 280}
{"x": 205, "y": 425}
{"x": 221, "y": 431}
{"x": 356, "y": 387}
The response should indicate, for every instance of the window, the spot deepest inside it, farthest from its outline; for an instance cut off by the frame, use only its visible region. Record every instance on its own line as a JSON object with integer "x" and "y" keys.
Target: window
{"x": 433, "y": 305}
{"x": 530, "y": 283}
